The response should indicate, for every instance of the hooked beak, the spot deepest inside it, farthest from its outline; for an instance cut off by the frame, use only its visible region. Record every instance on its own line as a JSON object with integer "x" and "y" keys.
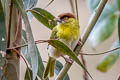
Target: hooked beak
{"x": 58, "y": 20}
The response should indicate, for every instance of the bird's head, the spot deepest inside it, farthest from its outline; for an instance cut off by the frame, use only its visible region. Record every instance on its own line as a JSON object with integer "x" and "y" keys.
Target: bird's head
{"x": 64, "y": 17}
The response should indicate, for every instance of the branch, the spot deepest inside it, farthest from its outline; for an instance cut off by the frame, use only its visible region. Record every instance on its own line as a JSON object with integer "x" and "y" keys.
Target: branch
{"x": 36, "y": 42}
{"x": 89, "y": 28}
{"x": 72, "y": 6}
{"x": 21, "y": 57}
{"x": 76, "y": 7}
{"x": 9, "y": 25}
{"x": 85, "y": 76}
{"x": 102, "y": 52}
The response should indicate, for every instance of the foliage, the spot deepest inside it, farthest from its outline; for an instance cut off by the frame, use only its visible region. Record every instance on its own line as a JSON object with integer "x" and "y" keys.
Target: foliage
{"x": 103, "y": 30}
{"x": 2, "y": 36}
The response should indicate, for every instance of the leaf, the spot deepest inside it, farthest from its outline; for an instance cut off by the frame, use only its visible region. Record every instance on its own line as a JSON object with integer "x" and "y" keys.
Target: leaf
{"x": 1, "y": 75}
{"x": 117, "y": 4}
{"x": 103, "y": 30}
{"x": 44, "y": 17}
{"x": 2, "y": 36}
{"x": 25, "y": 48}
{"x": 30, "y": 3}
{"x": 119, "y": 28}
{"x": 67, "y": 51}
{"x": 31, "y": 44}
{"x": 58, "y": 68}
{"x": 27, "y": 56}
{"x": 28, "y": 75}
{"x": 92, "y": 4}
{"x": 108, "y": 60}
{"x": 2, "y": 30}
{"x": 2, "y": 60}
{"x": 40, "y": 65}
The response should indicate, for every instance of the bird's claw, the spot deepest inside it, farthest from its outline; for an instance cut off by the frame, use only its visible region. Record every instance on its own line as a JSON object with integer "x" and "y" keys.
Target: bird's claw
{"x": 79, "y": 43}
{"x": 70, "y": 61}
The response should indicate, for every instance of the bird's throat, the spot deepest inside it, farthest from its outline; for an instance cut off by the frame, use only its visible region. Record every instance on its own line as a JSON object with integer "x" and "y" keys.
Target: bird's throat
{"x": 68, "y": 32}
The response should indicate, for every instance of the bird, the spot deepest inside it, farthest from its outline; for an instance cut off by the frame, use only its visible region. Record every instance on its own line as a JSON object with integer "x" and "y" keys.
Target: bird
{"x": 67, "y": 31}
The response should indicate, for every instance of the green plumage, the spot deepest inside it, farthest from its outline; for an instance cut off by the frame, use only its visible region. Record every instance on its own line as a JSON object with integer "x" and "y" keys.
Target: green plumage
{"x": 49, "y": 71}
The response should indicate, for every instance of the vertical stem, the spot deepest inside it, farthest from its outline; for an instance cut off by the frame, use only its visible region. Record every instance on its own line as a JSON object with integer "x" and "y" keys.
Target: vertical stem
{"x": 89, "y": 28}
{"x": 14, "y": 27}
{"x": 9, "y": 25}
{"x": 72, "y": 6}
{"x": 93, "y": 20}
{"x": 76, "y": 7}
{"x": 85, "y": 76}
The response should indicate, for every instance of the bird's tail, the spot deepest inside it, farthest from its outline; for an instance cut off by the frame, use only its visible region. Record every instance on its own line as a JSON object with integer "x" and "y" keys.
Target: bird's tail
{"x": 49, "y": 71}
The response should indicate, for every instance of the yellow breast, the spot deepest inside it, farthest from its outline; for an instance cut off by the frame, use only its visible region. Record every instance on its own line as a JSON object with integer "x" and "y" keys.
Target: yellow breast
{"x": 69, "y": 30}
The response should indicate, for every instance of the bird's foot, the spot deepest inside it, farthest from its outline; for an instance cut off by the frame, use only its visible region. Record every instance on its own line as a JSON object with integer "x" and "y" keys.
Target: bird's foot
{"x": 79, "y": 42}
{"x": 70, "y": 61}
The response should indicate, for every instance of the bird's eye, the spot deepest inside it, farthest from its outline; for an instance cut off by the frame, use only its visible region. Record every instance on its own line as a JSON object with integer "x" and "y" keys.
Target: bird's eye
{"x": 65, "y": 18}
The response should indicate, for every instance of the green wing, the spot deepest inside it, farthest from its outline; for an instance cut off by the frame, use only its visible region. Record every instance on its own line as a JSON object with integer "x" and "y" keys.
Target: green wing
{"x": 53, "y": 34}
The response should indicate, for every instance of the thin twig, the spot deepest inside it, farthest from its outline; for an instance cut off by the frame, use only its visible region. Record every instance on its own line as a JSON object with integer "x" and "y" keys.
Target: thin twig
{"x": 36, "y": 42}
{"x": 23, "y": 59}
{"x": 78, "y": 48}
{"x": 101, "y": 52}
{"x": 21, "y": 56}
{"x": 85, "y": 76}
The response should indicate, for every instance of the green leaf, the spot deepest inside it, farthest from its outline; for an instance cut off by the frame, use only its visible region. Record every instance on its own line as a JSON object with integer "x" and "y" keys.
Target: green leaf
{"x": 2, "y": 30}
{"x": 28, "y": 75}
{"x": 44, "y": 17}
{"x": 1, "y": 75}
{"x": 25, "y": 48}
{"x": 117, "y": 4}
{"x": 30, "y": 3}
{"x": 67, "y": 51}
{"x": 2, "y": 60}
{"x": 108, "y": 60}
{"x": 27, "y": 56}
{"x": 31, "y": 44}
{"x": 92, "y": 4}
{"x": 40, "y": 65}
{"x": 119, "y": 28}
{"x": 103, "y": 30}
{"x": 58, "y": 68}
